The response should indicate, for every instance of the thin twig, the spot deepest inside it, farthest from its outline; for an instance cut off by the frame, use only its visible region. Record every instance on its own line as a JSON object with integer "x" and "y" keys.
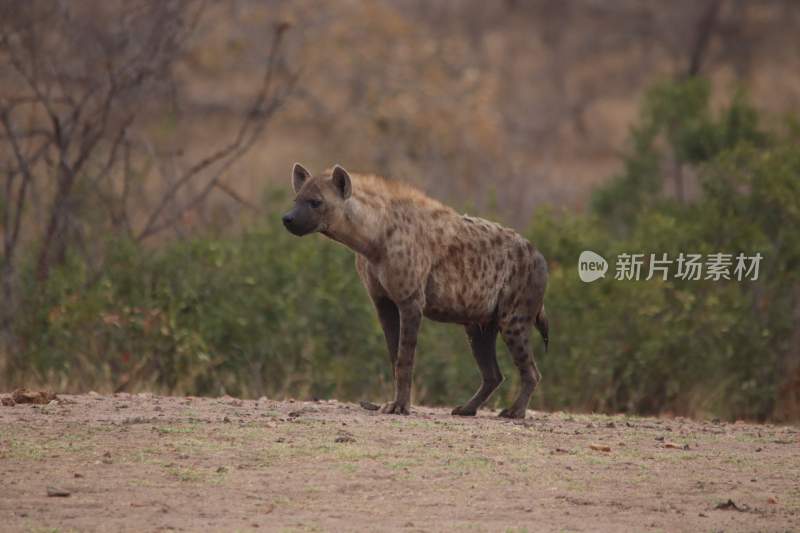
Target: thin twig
{"x": 249, "y": 130}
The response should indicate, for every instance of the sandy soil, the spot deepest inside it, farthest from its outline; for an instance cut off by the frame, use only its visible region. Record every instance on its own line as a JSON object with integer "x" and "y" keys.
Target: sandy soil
{"x": 145, "y": 463}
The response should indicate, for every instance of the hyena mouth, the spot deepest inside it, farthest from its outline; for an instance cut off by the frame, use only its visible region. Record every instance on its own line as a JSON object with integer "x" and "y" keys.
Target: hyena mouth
{"x": 298, "y": 231}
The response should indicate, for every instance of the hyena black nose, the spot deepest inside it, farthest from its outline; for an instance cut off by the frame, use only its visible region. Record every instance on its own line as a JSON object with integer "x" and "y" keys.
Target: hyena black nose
{"x": 287, "y": 219}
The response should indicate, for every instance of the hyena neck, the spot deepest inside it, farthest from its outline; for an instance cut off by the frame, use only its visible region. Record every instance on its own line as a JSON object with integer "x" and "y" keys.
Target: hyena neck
{"x": 360, "y": 229}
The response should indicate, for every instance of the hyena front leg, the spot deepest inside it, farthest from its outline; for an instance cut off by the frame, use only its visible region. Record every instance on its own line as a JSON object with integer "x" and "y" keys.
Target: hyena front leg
{"x": 410, "y": 319}
{"x": 517, "y": 338}
{"x": 389, "y": 316}
{"x": 482, "y": 341}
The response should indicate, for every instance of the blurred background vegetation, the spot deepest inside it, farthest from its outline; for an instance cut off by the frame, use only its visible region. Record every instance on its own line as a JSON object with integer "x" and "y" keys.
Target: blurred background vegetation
{"x": 146, "y": 148}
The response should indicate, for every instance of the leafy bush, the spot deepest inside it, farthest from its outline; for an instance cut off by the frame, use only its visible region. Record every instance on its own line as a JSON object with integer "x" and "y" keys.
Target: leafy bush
{"x": 691, "y": 347}
{"x": 267, "y": 313}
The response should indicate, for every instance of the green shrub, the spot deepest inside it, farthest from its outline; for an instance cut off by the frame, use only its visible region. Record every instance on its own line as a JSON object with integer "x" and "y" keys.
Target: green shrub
{"x": 688, "y": 347}
{"x": 267, "y": 313}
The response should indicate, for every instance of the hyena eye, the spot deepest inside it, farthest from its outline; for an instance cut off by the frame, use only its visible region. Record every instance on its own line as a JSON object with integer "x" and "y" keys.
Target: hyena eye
{"x": 315, "y": 203}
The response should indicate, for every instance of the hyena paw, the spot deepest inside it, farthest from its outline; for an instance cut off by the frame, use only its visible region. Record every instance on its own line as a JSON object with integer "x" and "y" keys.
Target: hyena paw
{"x": 464, "y": 410}
{"x": 512, "y": 413}
{"x": 395, "y": 408}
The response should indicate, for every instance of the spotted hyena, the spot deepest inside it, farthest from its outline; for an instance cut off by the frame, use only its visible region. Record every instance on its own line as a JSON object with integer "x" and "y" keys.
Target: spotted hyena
{"x": 417, "y": 257}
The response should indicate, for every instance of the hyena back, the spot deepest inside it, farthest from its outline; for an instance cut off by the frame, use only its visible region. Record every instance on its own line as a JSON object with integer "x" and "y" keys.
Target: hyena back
{"x": 417, "y": 257}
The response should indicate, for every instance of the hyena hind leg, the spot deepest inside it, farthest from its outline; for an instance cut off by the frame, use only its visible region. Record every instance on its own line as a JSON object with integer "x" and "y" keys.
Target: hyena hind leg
{"x": 517, "y": 338}
{"x": 482, "y": 341}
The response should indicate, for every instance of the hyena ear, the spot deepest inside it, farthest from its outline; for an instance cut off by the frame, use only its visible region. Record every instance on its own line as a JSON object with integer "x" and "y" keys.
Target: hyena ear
{"x": 341, "y": 180}
{"x": 299, "y": 176}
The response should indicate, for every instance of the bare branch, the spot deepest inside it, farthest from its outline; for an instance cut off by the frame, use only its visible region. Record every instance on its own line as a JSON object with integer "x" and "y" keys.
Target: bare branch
{"x": 236, "y": 196}
{"x": 11, "y": 237}
{"x": 81, "y": 83}
{"x": 703, "y": 33}
{"x": 249, "y": 131}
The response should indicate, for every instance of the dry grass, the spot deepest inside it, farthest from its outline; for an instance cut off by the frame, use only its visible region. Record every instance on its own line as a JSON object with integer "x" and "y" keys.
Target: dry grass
{"x": 224, "y": 464}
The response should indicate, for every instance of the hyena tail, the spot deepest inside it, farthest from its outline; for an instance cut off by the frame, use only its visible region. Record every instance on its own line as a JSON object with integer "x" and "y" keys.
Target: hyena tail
{"x": 543, "y": 326}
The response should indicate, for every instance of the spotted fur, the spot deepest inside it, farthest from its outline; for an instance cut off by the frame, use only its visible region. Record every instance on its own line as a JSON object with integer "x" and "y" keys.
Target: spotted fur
{"x": 417, "y": 257}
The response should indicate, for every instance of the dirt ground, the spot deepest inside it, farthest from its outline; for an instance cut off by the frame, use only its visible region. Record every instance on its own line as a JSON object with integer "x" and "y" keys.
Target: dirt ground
{"x": 146, "y": 463}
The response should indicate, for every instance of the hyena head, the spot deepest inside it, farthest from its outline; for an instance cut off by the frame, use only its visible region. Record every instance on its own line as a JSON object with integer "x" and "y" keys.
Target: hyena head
{"x": 319, "y": 204}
